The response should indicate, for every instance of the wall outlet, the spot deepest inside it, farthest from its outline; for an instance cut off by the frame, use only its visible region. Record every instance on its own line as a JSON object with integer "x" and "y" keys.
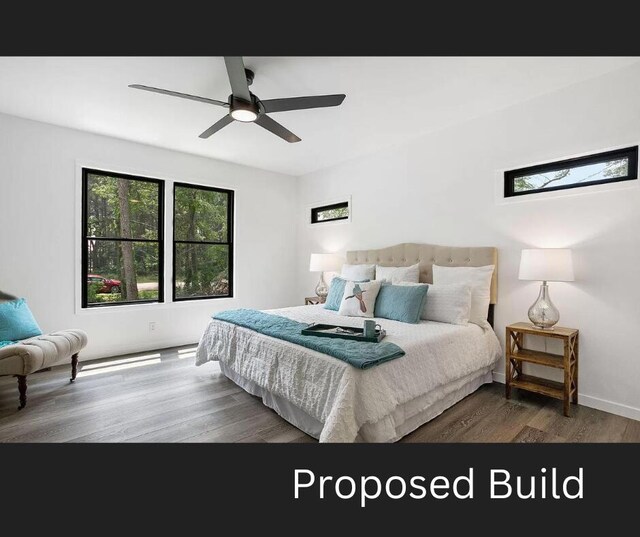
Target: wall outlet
{"x": 152, "y": 326}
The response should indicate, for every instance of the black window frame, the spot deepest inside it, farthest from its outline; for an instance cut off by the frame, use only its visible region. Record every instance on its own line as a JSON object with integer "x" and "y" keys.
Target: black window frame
{"x": 631, "y": 153}
{"x": 85, "y": 238}
{"x": 341, "y": 205}
{"x": 229, "y": 243}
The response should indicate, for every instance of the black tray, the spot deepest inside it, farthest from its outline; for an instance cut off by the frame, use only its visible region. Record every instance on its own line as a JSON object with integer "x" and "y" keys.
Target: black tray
{"x": 332, "y": 330}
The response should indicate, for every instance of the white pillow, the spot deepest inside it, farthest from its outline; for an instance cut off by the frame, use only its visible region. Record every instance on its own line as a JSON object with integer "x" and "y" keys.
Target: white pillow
{"x": 398, "y": 274}
{"x": 359, "y": 299}
{"x": 478, "y": 278}
{"x": 448, "y": 303}
{"x": 358, "y": 272}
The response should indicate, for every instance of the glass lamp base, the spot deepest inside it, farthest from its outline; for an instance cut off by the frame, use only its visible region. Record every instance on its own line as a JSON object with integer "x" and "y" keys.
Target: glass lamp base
{"x": 321, "y": 289}
{"x": 543, "y": 314}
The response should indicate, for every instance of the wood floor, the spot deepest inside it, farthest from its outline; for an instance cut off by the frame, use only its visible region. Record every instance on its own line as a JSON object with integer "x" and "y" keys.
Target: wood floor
{"x": 162, "y": 397}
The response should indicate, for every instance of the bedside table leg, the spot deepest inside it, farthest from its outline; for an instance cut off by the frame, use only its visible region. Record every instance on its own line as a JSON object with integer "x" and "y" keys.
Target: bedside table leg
{"x": 575, "y": 370}
{"x": 567, "y": 378}
{"x": 507, "y": 366}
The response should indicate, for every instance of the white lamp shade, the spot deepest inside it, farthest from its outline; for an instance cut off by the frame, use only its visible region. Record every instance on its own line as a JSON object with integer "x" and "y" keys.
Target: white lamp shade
{"x": 325, "y": 263}
{"x": 546, "y": 264}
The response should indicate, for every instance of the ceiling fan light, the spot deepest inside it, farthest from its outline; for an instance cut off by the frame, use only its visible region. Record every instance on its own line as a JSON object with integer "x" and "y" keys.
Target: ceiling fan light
{"x": 246, "y": 116}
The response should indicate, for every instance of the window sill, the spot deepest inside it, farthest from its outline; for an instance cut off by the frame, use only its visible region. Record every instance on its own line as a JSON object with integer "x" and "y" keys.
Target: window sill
{"x": 155, "y": 306}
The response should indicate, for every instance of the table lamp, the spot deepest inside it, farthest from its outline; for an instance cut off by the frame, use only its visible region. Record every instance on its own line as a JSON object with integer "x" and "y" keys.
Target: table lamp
{"x": 545, "y": 265}
{"x": 324, "y": 263}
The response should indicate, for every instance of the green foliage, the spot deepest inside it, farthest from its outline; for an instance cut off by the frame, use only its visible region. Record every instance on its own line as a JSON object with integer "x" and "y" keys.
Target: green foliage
{"x": 92, "y": 292}
{"x": 328, "y": 214}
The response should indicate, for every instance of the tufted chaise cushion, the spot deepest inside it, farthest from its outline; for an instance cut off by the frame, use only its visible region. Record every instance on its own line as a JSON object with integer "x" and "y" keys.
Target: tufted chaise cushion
{"x": 33, "y": 354}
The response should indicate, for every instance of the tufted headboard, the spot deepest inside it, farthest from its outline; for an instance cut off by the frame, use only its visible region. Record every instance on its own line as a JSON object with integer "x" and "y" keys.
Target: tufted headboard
{"x": 430, "y": 254}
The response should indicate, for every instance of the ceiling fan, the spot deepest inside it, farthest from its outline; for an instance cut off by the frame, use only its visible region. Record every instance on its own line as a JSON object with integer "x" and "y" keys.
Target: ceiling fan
{"x": 246, "y": 107}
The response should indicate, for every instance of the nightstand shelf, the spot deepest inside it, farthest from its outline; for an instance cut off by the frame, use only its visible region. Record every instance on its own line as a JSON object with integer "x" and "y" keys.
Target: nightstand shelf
{"x": 313, "y": 300}
{"x": 539, "y": 385}
{"x": 539, "y": 357}
{"x": 517, "y": 355}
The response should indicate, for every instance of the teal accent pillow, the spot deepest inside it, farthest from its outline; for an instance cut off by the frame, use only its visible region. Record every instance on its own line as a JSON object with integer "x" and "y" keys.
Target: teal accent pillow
{"x": 17, "y": 322}
{"x": 402, "y": 303}
{"x": 336, "y": 291}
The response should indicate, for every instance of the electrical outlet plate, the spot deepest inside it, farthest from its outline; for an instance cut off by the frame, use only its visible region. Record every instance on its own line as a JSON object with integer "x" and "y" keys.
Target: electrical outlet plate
{"x": 152, "y": 326}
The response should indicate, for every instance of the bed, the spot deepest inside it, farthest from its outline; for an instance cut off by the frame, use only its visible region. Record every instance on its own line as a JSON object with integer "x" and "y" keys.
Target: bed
{"x": 335, "y": 402}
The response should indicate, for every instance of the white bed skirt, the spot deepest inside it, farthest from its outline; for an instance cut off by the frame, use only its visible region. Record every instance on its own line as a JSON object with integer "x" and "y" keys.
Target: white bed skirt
{"x": 404, "y": 419}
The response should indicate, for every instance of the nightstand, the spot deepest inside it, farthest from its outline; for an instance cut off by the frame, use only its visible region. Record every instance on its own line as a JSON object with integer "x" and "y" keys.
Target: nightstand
{"x": 313, "y": 300}
{"x": 517, "y": 355}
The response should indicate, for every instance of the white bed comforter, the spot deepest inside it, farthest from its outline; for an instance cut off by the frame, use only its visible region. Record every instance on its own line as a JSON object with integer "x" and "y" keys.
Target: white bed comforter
{"x": 340, "y": 396}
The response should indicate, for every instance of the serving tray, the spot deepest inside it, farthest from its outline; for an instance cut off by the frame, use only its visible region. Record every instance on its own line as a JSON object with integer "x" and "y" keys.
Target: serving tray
{"x": 342, "y": 332}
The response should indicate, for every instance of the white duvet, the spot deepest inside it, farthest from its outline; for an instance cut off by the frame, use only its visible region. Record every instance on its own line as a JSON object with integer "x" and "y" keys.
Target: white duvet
{"x": 337, "y": 394}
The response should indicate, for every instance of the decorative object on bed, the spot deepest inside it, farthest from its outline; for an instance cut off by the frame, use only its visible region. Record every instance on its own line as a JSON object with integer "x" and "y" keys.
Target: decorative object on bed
{"x": 478, "y": 278}
{"x": 371, "y": 328}
{"x": 428, "y": 255}
{"x": 545, "y": 264}
{"x": 324, "y": 263}
{"x": 358, "y": 272}
{"x": 17, "y": 321}
{"x": 402, "y": 303}
{"x": 398, "y": 274}
{"x": 360, "y": 354}
{"x": 336, "y": 292}
{"x": 448, "y": 304}
{"x": 376, "y": 335}
{"x": 359, "y": 299}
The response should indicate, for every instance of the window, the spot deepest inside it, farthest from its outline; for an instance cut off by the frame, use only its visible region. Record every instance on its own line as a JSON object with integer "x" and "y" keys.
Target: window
{"x": 609, "y": 167}
{"x": 330, "y": 213}
{"x": 122, "y": 239}
{"x": 202, "y": 242}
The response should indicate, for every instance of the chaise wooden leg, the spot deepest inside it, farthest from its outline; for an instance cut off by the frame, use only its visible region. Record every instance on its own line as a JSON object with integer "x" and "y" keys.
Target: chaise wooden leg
{"x": 74, "y": 367}
{"x": 22, "y": 388}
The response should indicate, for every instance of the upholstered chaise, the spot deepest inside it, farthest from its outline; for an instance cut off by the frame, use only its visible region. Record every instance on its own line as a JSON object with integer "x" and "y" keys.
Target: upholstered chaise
{"x": 31, "y": 355}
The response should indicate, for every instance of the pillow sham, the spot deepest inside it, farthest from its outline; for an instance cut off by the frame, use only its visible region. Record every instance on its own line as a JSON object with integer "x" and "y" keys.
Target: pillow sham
{"x": 358, "y": 272}
{"x": 16, "y": 321}
{"x": 402, "y": 303}
{"x": 478, "y": 278}
{"x": 359, "y": 299}
{"x": 398, "y": 274}
{"x": 336, "y": 292}
{"x": 448, "y": 304}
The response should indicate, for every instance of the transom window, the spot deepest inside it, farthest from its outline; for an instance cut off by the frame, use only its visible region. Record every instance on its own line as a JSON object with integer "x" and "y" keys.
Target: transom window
{"x": 600, "y": 168}
{"x": 329, "y": 213}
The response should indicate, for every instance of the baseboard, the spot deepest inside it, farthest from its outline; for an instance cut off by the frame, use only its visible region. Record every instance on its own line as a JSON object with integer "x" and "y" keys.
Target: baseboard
{"x": 612, "y": 407}
{"x": 121, "y": 350}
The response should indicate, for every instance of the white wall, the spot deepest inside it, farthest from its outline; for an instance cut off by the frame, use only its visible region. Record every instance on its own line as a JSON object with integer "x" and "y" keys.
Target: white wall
{"x": 445, "y": 189}
{"x": 39, "y": 234}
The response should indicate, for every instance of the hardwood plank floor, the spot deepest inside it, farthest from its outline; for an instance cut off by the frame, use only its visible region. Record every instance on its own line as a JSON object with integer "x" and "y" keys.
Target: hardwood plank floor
{"x": 162, "y": 397}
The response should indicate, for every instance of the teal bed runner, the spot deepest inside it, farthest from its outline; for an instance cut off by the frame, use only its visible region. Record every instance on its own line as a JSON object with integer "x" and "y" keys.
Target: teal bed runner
{"x": 360, "y": 354}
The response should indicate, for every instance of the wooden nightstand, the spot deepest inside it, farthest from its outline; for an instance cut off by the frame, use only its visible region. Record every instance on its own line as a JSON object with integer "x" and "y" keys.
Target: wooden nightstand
{"x": 517, "y": 354}
{"x": 313, "y": 300}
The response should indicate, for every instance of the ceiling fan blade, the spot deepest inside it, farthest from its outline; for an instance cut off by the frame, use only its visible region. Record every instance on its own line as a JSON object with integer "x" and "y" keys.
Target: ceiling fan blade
{"x": 300, "y": 103}
{"x": 217, "y": 126}
{"x": 273, "y": 126}
{"x": 237, "y": 77}
{"x": 178, "y": 94}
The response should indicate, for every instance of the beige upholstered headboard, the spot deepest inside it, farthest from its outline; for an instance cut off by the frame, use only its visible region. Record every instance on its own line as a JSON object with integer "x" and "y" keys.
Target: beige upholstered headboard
{"x": 428, "y": 255}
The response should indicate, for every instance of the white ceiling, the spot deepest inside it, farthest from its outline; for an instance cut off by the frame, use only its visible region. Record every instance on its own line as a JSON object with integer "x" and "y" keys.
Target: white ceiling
{"x": 389, "y": 100}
